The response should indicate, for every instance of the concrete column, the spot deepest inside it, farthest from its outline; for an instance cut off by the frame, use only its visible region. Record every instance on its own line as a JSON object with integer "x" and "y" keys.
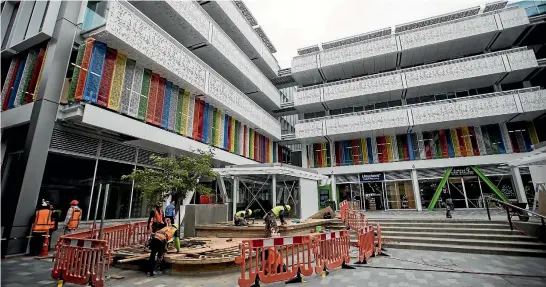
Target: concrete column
{"x": 518, "y": 184}
{"x": 416, "y": 190}
{"x": 332, "y": 154}
{"x": 20, "y": 206}
{"x": 235, "y": 194}
{"x": 274, "y": 190}
{"x": 334, "y": 189}
{"x": 304, "y": 159}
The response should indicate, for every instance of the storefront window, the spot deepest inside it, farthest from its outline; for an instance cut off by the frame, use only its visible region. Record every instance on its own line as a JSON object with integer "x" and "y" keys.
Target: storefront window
{"x": 119, "y": 193}
{"x": 504, "y": 184}
{"x": 428, "y": 188}
{"x": 67, "y": 178}
{"x": 400, "y": 194}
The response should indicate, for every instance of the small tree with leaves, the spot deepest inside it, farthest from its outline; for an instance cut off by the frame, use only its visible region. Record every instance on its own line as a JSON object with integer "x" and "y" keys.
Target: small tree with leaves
{"x": 175, "y": 177}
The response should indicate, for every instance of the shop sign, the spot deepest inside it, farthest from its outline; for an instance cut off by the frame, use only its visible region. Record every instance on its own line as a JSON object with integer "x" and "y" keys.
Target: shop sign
{"x": 462, "y": 171}
{"x": 371, "y": 177}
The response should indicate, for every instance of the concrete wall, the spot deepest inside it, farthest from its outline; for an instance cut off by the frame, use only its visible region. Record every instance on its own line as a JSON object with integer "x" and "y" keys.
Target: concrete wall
{"x": 197, "y": 214}
{"x": 308, "y": 198}
{"x": 538, "y": 173}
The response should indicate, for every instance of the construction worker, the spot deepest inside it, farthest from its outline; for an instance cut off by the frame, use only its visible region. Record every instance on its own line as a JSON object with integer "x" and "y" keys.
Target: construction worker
{"x": 157, "y": 219}
{"x": 273, "y": 261}
{"x": 159, "y": 243}
{"x": 270, "y": 224}
{"x": 240, "y": 218}
{"x": 55, "y": 214}
{"x": 281, "y": 211}
{"x": 73, "y": 216}
{"x": 40, "y": 228}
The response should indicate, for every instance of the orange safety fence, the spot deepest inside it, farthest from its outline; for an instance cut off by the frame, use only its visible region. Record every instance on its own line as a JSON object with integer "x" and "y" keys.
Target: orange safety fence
{"x": 81, "y": 261}
{"x": 366, "y": 248}
{"x": 354, "y": 205}
{"x": 118, "y": 236}
{"x": 140, "y": 234}
{"x": 331, "y": 250}
{"x": 356, "y": 220}
{"x": 270, "y": 260}
{"x": 379, "y": 249}
{"x": 343, "y": 209}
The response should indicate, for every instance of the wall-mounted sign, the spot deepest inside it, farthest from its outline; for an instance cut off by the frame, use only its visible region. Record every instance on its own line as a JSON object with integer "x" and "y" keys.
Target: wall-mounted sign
{"x": 462, "y": 171}
{"x": 371, "y": 177}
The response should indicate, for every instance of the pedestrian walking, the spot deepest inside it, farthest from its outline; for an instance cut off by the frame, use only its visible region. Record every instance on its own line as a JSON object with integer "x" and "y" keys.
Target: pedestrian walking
{"x": 41, "y": 227}
{"x": 170, "y": 211}
{"x": 446, "y": 198}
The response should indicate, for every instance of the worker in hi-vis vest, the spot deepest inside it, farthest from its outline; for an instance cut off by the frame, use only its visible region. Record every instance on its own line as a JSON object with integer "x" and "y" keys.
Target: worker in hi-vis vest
{"x": 158, "y": 245}
{"x": 40, "y": 228}
{"x": 157, "y": 218}
{"x": 73, "y": 216}
{"x": 240, "y": 218}
{"x": 281, "y": 211}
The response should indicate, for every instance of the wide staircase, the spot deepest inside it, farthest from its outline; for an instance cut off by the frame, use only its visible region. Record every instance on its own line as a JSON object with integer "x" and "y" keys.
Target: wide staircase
{"x": 465, "y": 236}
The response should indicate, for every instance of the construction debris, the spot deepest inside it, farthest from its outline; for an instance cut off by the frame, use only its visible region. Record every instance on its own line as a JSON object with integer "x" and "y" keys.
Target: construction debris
{"x": 320, "y": 214}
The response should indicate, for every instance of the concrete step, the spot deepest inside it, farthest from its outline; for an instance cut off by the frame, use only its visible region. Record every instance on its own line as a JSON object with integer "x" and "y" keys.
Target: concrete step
{"x": 449, "y": 230}
{"x": 468, "y": 249}
{"x": 444, "y": 225}
{"x": 445, "y": 220}
{"x": 487, "y": 236}
{"x": 467, "y": 242}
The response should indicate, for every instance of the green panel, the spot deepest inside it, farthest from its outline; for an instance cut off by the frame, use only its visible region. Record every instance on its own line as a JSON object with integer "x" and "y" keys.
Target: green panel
{"x": 76, "y": 73}
{"x": 439, "y": 189}
{"x": 490, "y": 184}
{"x": 143, "y": 105}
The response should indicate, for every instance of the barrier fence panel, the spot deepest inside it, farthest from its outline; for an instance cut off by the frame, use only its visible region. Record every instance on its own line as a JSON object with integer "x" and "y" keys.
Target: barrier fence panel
{"x": 356, "y": 220}
{"x": 354, "y": 205}
{"x": 343, "y": 209}
{"x": 379, "y": 249}
{"x": 331, "y": 250}
{"x": 140, "y": 233}
{"x": 277, "y": 259}
{"x": 118, "y": 236}
{"x": 81, "y": 261}
{"x": 366, "y": 248}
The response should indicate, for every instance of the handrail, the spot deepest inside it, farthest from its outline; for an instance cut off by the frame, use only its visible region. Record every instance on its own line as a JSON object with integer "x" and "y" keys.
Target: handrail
{"x": 523, "y": 212}
{"x": 513, "y": 206}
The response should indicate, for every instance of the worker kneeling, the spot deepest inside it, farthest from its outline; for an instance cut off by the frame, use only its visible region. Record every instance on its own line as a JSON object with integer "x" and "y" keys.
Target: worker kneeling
{"x": 158, "y": 245}
{"x": 273, "y": 261}
{"x": 240, "y": 218}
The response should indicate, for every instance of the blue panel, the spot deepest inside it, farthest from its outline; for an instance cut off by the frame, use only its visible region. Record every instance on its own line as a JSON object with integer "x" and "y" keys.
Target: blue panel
{"x": 226, "y": 135}
{"x": 16, "y": 83}
{"x": 95, "y": 73}
{"x": 166, "y": 105}
{"x": 370, "y": 150}
{"x": 410, "y": 147}
{"x": 204, "y": 138}
{"x": 502, "y": 147}
{"x": 450, "y": 150}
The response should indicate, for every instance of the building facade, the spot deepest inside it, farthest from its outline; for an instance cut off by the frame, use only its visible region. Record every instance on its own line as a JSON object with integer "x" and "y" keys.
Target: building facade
{"x": 387, "y": 113}
{"x": 92, "y": 89}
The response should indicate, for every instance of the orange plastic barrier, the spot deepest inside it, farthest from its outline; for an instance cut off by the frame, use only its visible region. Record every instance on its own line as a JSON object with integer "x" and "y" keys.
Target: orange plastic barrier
{"x": 343, "y": 209}
{"x": 356, "y": 220}
{"x": 279, "y": 259}
{"x": 118, "y": 236}
{"x": 354, "y": 205}
{"x": 366, "y": 248}
{"x": 331, "y": 251}
{"x": 140, "y": 235}
{"x": 379, "y": 249}
{"x": 81, "y": 261}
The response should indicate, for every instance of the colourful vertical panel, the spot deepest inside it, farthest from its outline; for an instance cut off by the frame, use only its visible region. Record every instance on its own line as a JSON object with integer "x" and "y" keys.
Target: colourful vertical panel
{"x": 179, "y": 111}
{"x": 6, "y": 88}
{"x": 370, "y": 144}
{"x": 210, "y": 123}
{"x": 125, "y": 99}
{"x": 34, "y": 78}
{"x": 455, "y": 140}
{"x": 354, "y": 151}
{"x": 505, "y": 138}
{"x": 443, "y": 143}
{"x": 325, "y": 155}
{"x": 159, "y": 99}
{"x": 460, "y": 138}
{"x": 479, "y": 139}
{"x": 114, "y": 102}
{"x": 434, "y": 144}
{"x": 232, "y": 135}
{"x": 473, "y": 141}
{"x": 85, "y": 66}
{"x": 8, "y": 85}
{"x": 449, "y": 142}
{"x": 191, "y": 116}
{"x": 196, "y": 121}
{"x": 317, "y": 156}
{"x": 409, "y": 140}
{"x": 185, "y": 112}
{"x": 222, "y": 130}
{"x": 106, "y": 79}
{"x": 173, "y": 107}
{"x": 520, "y": 142}
{"x": 394, "y": 149}
{"x": 167, "y": 105}
{"x": 467, "y": 141}
{"x": 16, "y": 83}
{"x": 21, "y": 97}
{"x": 389, "y": 148}
{"x": 96, "y": 67}
{"x": 226, "y": 132}
{"x": 251, "y": 143}
{"x": 337, "y": 147}
{"x": 427, "y": 142}
{"x": 246, "y": 141}
{"x": 421, "y": 145}
{"x": 310, "y": 161}
{"x": 144, "y": 94}
{"x": 204, "y": 132}
{"x": 136, "y": 89}
{"x": 152, "y": 98}
{"x": 532, "y": 132}
{"x": 364, "y": 149}
{"x": 35, "y": 93}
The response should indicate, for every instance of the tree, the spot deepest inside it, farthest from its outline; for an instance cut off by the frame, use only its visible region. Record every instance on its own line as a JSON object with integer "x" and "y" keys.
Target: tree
{"x": 174, "y": 176}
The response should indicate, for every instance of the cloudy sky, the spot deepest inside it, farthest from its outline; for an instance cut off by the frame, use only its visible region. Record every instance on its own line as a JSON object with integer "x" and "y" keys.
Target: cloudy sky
{"x": 294, "y": 24}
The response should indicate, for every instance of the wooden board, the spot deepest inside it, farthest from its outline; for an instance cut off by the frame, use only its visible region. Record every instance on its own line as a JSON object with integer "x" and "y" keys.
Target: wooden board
{"x": 320, "y": 214}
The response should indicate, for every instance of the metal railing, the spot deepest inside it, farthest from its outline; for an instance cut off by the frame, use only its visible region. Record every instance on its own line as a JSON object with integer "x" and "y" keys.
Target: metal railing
{"x": 521, "y": 212}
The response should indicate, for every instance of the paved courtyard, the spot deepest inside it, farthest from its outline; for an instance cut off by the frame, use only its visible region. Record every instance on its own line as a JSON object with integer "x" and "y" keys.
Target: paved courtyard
{"x": 402, "y": 268}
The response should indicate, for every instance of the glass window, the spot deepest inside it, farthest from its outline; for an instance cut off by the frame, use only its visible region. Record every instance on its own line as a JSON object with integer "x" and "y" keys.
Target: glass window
{"x": 369, "y": 107}
{"x": 411, "y": 101}
{"x": 440, "y": 97}
{"x": 119, "y": 194}
{"x": 359, "y": 109}
{"x": 462, "y": 94}
{"x": 95, "y": 14}
{"x": 490, "y": 89}
{"x": 335, "y": 112}
{"x": 425, "y": 99}
{"x": 504, "y": 184}
{"x": 67, "y": 178}
{"x": 400, "y": 194}
{"x": 428, "y": 188}
{"x": 382, "y": 105}
{"x": 10, "y": 25}
{"x": 347, "y": 110}
{"x": 395, "y": 103}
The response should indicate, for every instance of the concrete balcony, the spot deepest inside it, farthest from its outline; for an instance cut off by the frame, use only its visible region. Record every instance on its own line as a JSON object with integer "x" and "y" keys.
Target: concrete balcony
{"x": 233, "y": 22}
{"x": 190, "y": 25}
{"x": 466, "y": 73}
{"x": 130, "y": 32}
{"x": 516, "y": 105}
{"x": 430, "y": 40}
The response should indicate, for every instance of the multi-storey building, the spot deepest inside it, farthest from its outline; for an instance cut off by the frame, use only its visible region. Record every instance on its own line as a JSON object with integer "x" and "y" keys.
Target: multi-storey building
{"x": 387, "y": 113}
{"x": 91, "y": 89}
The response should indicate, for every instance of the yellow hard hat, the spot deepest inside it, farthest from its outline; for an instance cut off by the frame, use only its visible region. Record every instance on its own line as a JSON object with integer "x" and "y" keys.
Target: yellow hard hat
{"x": 288, "y": 207}
{"x": 249, "y": 212}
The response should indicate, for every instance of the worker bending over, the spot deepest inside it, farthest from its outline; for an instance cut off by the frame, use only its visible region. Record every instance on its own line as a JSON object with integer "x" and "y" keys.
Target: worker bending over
{"x": 159, "y": 243}
{"x": 281, "y": 211}
{"x": 270, "y": 219}
{"x": 240, "y": 218}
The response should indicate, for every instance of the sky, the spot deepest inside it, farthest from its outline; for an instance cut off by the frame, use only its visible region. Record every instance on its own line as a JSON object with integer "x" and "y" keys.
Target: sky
{"x": 294, "y": 24}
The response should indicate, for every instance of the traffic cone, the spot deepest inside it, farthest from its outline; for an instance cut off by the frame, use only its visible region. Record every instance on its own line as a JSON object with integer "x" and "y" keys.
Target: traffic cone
{"x": 45, "y": 250}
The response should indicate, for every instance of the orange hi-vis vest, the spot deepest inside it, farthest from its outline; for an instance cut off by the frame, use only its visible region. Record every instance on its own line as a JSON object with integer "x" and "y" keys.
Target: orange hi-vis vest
{"x": 74, "y": 220}
{"x": 158, "y": 216}
{"x": 43, "y": 221}
{"x": 165, "y": 234}
{"x": 274, "y": 260}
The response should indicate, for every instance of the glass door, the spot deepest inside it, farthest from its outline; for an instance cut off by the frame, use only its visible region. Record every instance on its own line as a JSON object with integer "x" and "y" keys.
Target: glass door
{"x": 374, "y": 195}
{"x": 456, "y": 189}
{"x": 473, "y": 190}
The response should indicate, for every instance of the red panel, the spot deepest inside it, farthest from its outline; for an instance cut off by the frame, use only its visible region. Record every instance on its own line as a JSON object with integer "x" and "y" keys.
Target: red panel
{"x": 443, "y": 144}
{"x": 10, "y": 87}
{"x": 337, "y": 146}
{"x": 158, "y": 114}
{"x": 316, "y": 149}
{"x": 405, "y": 147}
{"x": 355, "y": 151}
{"x": 382, "y": 147}
{"x": 154, "y": 86}
{"x": 107, "y": 76}
{"x": 245, "y": 131}
{"x": 82, "y": 78}
{"x": 428, "y": 150}
{"x": 196, "y": 112}
{"x": 201, "y": 120}
{"x": 35, "y": 74}
{"x": 462, "y": 145}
